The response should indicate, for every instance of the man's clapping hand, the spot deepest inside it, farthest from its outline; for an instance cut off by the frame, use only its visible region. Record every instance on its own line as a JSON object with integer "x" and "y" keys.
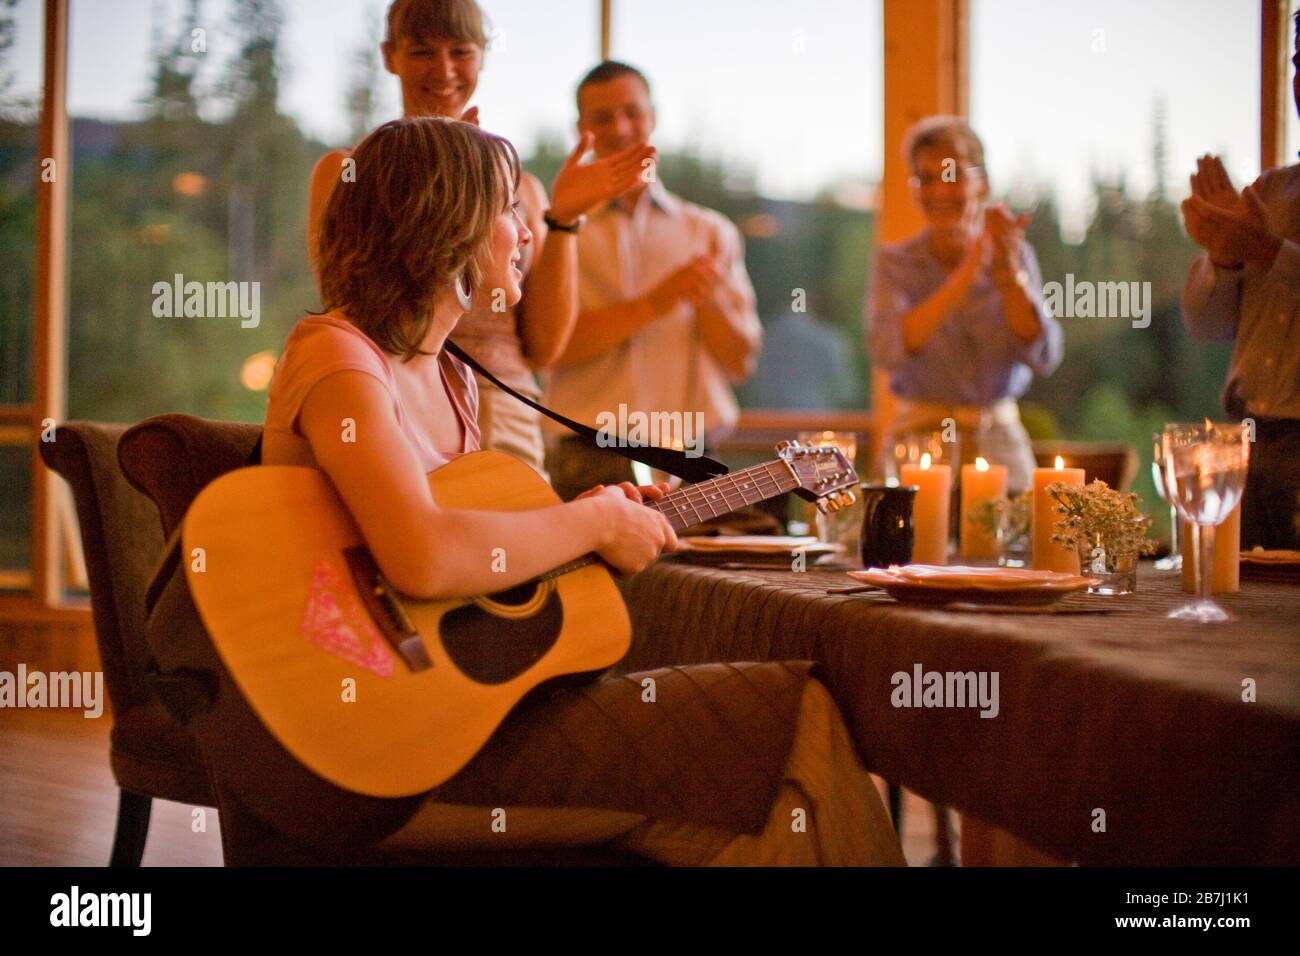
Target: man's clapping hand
{"x": 578, "y": 186}
{"x": 692, "y": 283}
{"x": 1211, "y": 183}
{"x": 1231, "y": 227}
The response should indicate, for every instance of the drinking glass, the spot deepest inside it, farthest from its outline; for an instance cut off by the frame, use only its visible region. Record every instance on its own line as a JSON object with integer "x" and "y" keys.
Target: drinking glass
{"x": 1205, "y": 472}
{"x": 843, "y": 527}
{"x": 1174, "y": 562}
{"x": 909, "y": 446}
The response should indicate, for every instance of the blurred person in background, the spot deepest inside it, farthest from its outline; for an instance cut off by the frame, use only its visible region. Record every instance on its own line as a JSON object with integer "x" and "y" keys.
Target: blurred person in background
{"x": 667, "y": 320}
{"x": 1245, "y": 287}
{"x": 955, "y": 314}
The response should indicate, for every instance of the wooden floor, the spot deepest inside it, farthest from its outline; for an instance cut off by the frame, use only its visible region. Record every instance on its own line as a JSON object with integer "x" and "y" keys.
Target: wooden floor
{"x": 58, "y": 802}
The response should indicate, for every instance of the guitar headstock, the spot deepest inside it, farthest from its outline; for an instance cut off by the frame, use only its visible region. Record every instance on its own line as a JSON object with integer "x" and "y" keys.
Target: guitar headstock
{"x": 825, "y": 476}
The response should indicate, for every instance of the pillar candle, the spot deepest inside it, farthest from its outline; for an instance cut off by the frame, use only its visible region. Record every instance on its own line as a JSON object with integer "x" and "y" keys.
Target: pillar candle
{"x": 1048, "y": 555}
{"x": 929, "y": 510}
{"x": 980, "y": 482}
{"x": 1227, "y": 555}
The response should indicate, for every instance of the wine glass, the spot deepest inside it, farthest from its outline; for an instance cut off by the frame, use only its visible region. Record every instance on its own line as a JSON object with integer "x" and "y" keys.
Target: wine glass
{"x": 841, "y": 528}
{"x": 1174, "y": 562}
{"x": 909, "y": 446}
{"x": 1205, "y": 472}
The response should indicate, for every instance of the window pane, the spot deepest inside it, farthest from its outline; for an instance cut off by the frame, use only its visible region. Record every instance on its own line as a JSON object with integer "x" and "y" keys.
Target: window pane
{"x": 773, "y": 116}
{"x": 195, "y": 130}
{"x": 1093, "y": 116}
{"x": 21, "y": 38}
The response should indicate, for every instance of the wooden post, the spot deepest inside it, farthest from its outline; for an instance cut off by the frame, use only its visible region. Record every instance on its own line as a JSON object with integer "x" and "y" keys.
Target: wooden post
{"x": 1274, "y": 91}
{"x": 53, "y": 169}
{"x": 606, "y": 17}
{"x": 926, "y": 72}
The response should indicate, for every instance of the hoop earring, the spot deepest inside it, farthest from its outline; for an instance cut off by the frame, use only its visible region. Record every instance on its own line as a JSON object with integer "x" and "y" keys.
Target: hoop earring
{"x": 464, "y": 292}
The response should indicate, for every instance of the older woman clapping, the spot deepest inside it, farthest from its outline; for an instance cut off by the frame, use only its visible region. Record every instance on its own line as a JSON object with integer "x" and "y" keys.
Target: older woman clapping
{"x": 956, "y": 313}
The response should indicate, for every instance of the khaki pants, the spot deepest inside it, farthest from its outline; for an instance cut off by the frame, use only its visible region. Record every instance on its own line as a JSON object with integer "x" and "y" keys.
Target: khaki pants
{"x": 827, "y": 813}
{"x": 575, "y": 467}
{"x": 508, "y": 425}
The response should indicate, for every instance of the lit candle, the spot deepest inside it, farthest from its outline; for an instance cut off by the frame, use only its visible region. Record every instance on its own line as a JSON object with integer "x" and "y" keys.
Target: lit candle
{"x": 1048, "y": 555}
{"x": 980, "y": 482}
{"x": 929, "y": 510}
{"x": 1226, "y": 577}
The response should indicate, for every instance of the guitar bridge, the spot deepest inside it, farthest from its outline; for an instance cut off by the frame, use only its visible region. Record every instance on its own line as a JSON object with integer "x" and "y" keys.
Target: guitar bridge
{"x": 385, "y": 608}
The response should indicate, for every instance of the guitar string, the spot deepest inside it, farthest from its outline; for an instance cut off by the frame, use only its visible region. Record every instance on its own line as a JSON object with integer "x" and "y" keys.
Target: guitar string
{"x": 695, "y": 495}
{"x": 756, "y": 476}
{"x": 697, "y": 498}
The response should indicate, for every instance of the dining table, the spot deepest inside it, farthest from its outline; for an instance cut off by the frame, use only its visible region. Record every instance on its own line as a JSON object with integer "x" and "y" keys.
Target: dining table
{"x": 1095, "y": 730}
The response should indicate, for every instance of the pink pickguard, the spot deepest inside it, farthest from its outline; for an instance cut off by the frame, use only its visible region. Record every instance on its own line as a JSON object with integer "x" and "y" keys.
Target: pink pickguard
{"x": 337, "y": 622}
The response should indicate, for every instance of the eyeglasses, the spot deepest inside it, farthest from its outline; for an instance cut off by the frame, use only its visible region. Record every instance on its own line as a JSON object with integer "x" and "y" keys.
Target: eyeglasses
{"x": 956, "y": 174}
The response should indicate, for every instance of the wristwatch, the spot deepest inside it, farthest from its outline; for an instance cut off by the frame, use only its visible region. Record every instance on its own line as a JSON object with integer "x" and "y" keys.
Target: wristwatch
{"x": 563, "y": 226}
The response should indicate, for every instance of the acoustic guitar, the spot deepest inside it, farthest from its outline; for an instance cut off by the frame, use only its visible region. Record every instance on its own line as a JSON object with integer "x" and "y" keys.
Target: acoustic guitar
{"x": 386, "y": 696}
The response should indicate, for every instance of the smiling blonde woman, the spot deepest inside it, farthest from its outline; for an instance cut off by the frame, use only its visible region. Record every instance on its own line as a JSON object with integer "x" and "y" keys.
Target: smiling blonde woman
{"x": 436, "y": 49}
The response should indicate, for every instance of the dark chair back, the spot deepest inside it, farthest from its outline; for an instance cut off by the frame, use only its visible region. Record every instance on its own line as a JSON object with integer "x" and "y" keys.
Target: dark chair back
{"x": 150, "y": 752}
{"x": 172, "y": 458}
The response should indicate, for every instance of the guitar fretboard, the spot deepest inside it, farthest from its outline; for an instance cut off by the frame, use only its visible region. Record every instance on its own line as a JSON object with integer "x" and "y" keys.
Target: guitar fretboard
{"x": 692, "y": 504}
{"x": 719, "y": 496}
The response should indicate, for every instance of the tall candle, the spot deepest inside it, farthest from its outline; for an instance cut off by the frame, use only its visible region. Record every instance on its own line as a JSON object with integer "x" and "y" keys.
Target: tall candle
{"x": 929, "y": 510}
{"x": 980, "y": 482}
{"x": 1226, "y": 577}
{"x": 1048, "y": 555}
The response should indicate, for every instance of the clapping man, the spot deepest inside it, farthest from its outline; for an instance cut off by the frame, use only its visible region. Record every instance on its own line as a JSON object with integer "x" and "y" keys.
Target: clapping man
{"x": 667, "y": 321}
{"x": 1245, "y": 287}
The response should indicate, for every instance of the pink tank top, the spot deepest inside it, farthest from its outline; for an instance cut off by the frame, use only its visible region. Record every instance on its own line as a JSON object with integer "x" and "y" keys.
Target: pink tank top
{"x": 320, "y": 345}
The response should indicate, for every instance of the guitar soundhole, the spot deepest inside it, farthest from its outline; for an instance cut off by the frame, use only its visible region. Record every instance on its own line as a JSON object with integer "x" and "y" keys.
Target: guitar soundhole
{"x": 491, "y": 649}
{"x": 520, "y": 594}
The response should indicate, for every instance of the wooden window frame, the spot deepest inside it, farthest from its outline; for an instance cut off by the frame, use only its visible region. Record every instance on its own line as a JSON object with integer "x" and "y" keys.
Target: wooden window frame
{"x": 44, "y": 602}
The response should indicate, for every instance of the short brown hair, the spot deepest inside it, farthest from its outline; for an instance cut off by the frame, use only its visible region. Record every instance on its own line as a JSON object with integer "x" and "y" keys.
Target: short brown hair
{"x": 951, "y": 131}
{"x": 606, "y": 71}
{"x": 417, "y": 215}
{"x": 436, "y": 20}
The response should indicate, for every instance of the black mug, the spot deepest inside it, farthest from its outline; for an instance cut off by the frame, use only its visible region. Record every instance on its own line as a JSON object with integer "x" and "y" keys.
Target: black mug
{"x": 886, "y": 524}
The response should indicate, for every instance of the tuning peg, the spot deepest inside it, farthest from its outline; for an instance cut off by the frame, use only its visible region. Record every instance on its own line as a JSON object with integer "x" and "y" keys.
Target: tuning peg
{"x": 833, "y": 504}
{"x": 782, "y": 446}
{"x": 822, "y": 506}
{"x": 849, "y": 498}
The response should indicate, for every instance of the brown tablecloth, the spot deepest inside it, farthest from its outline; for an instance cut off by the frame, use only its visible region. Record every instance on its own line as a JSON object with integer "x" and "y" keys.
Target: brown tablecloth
{"x": 1120, "y": 738}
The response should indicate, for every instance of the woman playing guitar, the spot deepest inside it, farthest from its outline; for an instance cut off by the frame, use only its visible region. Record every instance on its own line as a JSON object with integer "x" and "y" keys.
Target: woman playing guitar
{"x": 365, "y": 393}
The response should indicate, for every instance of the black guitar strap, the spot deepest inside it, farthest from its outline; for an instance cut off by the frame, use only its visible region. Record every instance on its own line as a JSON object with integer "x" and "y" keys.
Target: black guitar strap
{"x": 665, "y": 459}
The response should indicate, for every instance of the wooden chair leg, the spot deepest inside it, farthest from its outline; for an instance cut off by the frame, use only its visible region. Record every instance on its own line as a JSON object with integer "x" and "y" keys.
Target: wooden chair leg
{"x": 132, "y": 828}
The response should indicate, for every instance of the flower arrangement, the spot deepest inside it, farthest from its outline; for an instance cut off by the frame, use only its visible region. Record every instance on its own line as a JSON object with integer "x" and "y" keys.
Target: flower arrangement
{"x": 1097, "y": 516}
{"x": 1005, "y": 518}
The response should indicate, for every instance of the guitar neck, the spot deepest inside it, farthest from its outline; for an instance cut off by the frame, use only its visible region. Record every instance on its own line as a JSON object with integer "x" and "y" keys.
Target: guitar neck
{"x": 719, "y": 496}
